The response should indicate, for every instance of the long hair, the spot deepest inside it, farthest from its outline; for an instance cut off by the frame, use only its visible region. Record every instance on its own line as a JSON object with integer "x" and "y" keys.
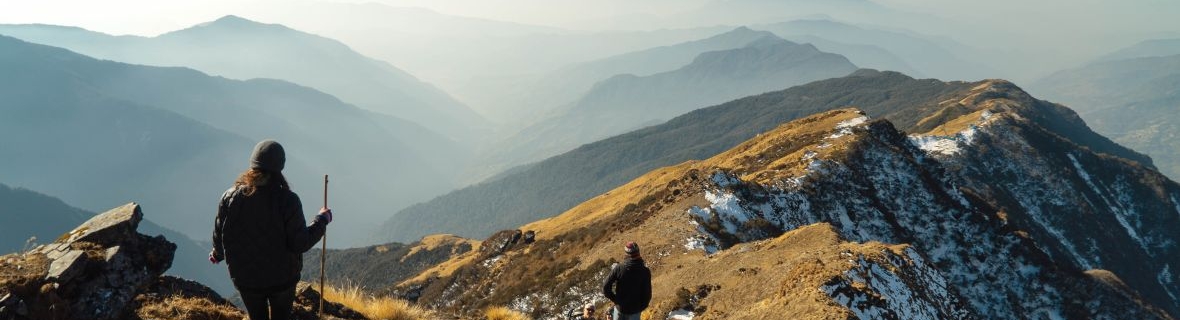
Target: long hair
{"x": 251, "y": 179}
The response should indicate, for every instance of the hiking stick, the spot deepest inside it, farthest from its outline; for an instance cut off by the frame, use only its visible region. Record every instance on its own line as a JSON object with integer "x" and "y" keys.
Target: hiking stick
{"x": 323, "y": 251}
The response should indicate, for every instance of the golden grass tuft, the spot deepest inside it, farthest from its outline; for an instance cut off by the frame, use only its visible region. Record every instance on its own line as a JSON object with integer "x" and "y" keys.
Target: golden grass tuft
{"x": 178, "y": 307}
{"x": 502, "y": 313}
{"x": 378, "y": 308}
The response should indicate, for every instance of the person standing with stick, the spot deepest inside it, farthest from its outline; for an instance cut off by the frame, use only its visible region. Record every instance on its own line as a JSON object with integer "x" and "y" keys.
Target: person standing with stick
{"x": 261, "y": 234}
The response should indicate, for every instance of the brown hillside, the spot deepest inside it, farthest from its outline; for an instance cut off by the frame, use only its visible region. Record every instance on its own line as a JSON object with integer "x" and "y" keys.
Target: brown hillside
{"x": 756, "y": 280}
{"x": 755, "y": 231}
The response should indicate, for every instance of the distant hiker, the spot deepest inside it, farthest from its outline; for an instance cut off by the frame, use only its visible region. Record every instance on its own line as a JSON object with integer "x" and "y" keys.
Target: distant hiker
{"x": 628, "y": 285}
{"x": 530, "y": 237}
{"x": 261, "y": 234}
{"x": 516, "y": 235}
{"x": 587, "y": 313}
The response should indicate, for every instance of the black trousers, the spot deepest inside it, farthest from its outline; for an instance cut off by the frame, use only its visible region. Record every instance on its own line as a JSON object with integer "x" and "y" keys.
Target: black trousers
{"x": 268, "y": 304}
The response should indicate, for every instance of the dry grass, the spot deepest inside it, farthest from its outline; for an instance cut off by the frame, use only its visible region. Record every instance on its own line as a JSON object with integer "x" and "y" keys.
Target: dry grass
{"x": 178, "y": 307}
{"x": 502, "y": 313}
{"x": 432, "y": 242}
{"x": 776, "y": 278}
{"x": 383, "y": 308}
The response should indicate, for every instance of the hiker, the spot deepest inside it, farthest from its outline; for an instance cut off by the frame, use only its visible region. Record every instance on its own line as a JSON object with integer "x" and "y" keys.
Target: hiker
{"x": 261, "y": 234}
{"x": 587, "y": 313}
{"x": 628, "y": 285}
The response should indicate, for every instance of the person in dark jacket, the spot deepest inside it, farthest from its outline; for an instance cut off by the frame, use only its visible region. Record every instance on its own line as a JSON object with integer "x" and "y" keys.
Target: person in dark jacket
{"x": 628, "y": 285}
{"x": 587, "y": 313}
{"x": 261, "y": 234}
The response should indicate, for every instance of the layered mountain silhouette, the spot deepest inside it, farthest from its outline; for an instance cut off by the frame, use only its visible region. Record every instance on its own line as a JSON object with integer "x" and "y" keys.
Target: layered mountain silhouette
{"x": 561, "y": 87}
{"x": 77, "y": 127}
{"x": 973, "y": 200}
{"x": 29, "y": 218}
{"x": 238, "y": 48}
{"x": 1133, "y": 101}
{"x": 627, "y": 102}
{"x": 929, "y": 56}
{"x": 1145, "y": 49}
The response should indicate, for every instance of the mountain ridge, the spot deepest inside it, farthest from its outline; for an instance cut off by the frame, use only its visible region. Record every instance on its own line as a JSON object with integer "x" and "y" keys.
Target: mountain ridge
{"x": 239, "y": 48}
{"x": 627, "y": 102}
{"x": 535, "y": 192}
{"x": 878, "y": 184}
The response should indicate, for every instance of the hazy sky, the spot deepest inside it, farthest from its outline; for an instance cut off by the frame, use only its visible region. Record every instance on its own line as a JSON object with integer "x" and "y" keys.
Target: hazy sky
{"x": 1055, "y": 17}
{"x": 1034, "y": 37}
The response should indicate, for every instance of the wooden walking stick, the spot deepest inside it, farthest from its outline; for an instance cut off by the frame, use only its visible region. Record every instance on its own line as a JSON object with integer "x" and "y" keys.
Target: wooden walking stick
{"x": 323, "y": 251}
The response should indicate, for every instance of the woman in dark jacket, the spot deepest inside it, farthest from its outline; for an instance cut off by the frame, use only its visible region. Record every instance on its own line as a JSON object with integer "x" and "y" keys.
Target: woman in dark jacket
{"x": 261, "y": 234}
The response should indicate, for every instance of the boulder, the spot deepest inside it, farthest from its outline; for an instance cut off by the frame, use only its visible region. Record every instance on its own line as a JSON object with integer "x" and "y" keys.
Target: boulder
{"x": 91, "y": 273}
{"x": 109, "y": 228}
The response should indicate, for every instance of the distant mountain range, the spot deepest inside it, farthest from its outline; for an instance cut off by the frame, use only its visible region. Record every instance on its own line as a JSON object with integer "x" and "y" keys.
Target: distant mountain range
{"x": 100, "y": 133}
{"x": 554, "y": 185}
{"x": 966, "y": 201}
{"x": 1145, "y": 49}
{"x": 889, "y": 50}
{"x": 627, "y": 102}
{"x": 563, "y": 86}
{"x": 29, "y": 218}
{"x": 1134, "y": 101}
{"x": 238, "y": 48}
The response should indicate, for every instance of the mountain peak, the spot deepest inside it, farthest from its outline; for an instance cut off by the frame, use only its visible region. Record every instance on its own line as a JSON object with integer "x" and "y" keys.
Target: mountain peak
{"x": 233, "y": 23}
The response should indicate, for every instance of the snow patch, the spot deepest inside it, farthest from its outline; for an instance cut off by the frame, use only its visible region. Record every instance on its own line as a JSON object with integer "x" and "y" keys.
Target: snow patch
{"x": 1165, "y": 280}
{"x": 889, "y": 295}
{"x": 681, "y": 315}
{"x": 809, "y": 155}
{"x": 1119, "y": 215}
{"x": 845, "y": 127}
{"x": 728, "y": 210}
{"x": 945, "y": 145}
{"x": 1176, "y": 203}
{"x": 703, "y": 241}
{"x": 724, "y": 180}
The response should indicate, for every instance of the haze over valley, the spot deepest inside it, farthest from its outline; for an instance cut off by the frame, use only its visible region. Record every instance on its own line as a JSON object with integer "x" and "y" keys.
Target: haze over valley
{"x": 909, "y": 134}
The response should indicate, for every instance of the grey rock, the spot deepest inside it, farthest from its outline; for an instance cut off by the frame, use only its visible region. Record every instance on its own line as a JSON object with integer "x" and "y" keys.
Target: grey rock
{"x": 66, "y": 267}
{"x": 111, "y": 227}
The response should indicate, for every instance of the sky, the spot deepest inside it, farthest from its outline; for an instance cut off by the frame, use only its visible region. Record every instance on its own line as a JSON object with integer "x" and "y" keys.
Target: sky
{"x": 1049, "y": 17}
{"x": 1063, "y": 33}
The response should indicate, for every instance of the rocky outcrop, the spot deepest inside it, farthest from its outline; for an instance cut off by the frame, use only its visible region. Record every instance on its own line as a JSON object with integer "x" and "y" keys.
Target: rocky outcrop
{"x": 105, "y": 269}
{"x": 92, "y": 272}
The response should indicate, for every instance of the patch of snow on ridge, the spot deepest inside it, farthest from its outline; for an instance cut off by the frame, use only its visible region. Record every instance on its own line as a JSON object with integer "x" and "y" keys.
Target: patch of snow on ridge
{"x": 681, "y": 314}
{"x": 1165, "y": 280}
{"x": 728, "y": 210}
{"x": 724, "y": 180}
{"x": 889, "y": 295}
{"x": 1176, "y": 203}
{"x": 1119, "y": 214}
{"x": 945, "y": 145}
{"x": 703, "y": 241}
{"x": 845, "y": 127}
{"x": 936, "y": 144}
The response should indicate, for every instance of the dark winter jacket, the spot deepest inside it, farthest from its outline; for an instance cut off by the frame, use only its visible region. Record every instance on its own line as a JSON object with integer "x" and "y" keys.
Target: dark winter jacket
{"x": 262, "y": 237}
{"x": 629, "y": 286}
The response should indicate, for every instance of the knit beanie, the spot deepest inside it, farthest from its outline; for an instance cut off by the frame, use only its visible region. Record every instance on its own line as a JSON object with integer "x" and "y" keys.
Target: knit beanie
{"x": 268, "y": 156}
{"x": 631, "y": 249}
